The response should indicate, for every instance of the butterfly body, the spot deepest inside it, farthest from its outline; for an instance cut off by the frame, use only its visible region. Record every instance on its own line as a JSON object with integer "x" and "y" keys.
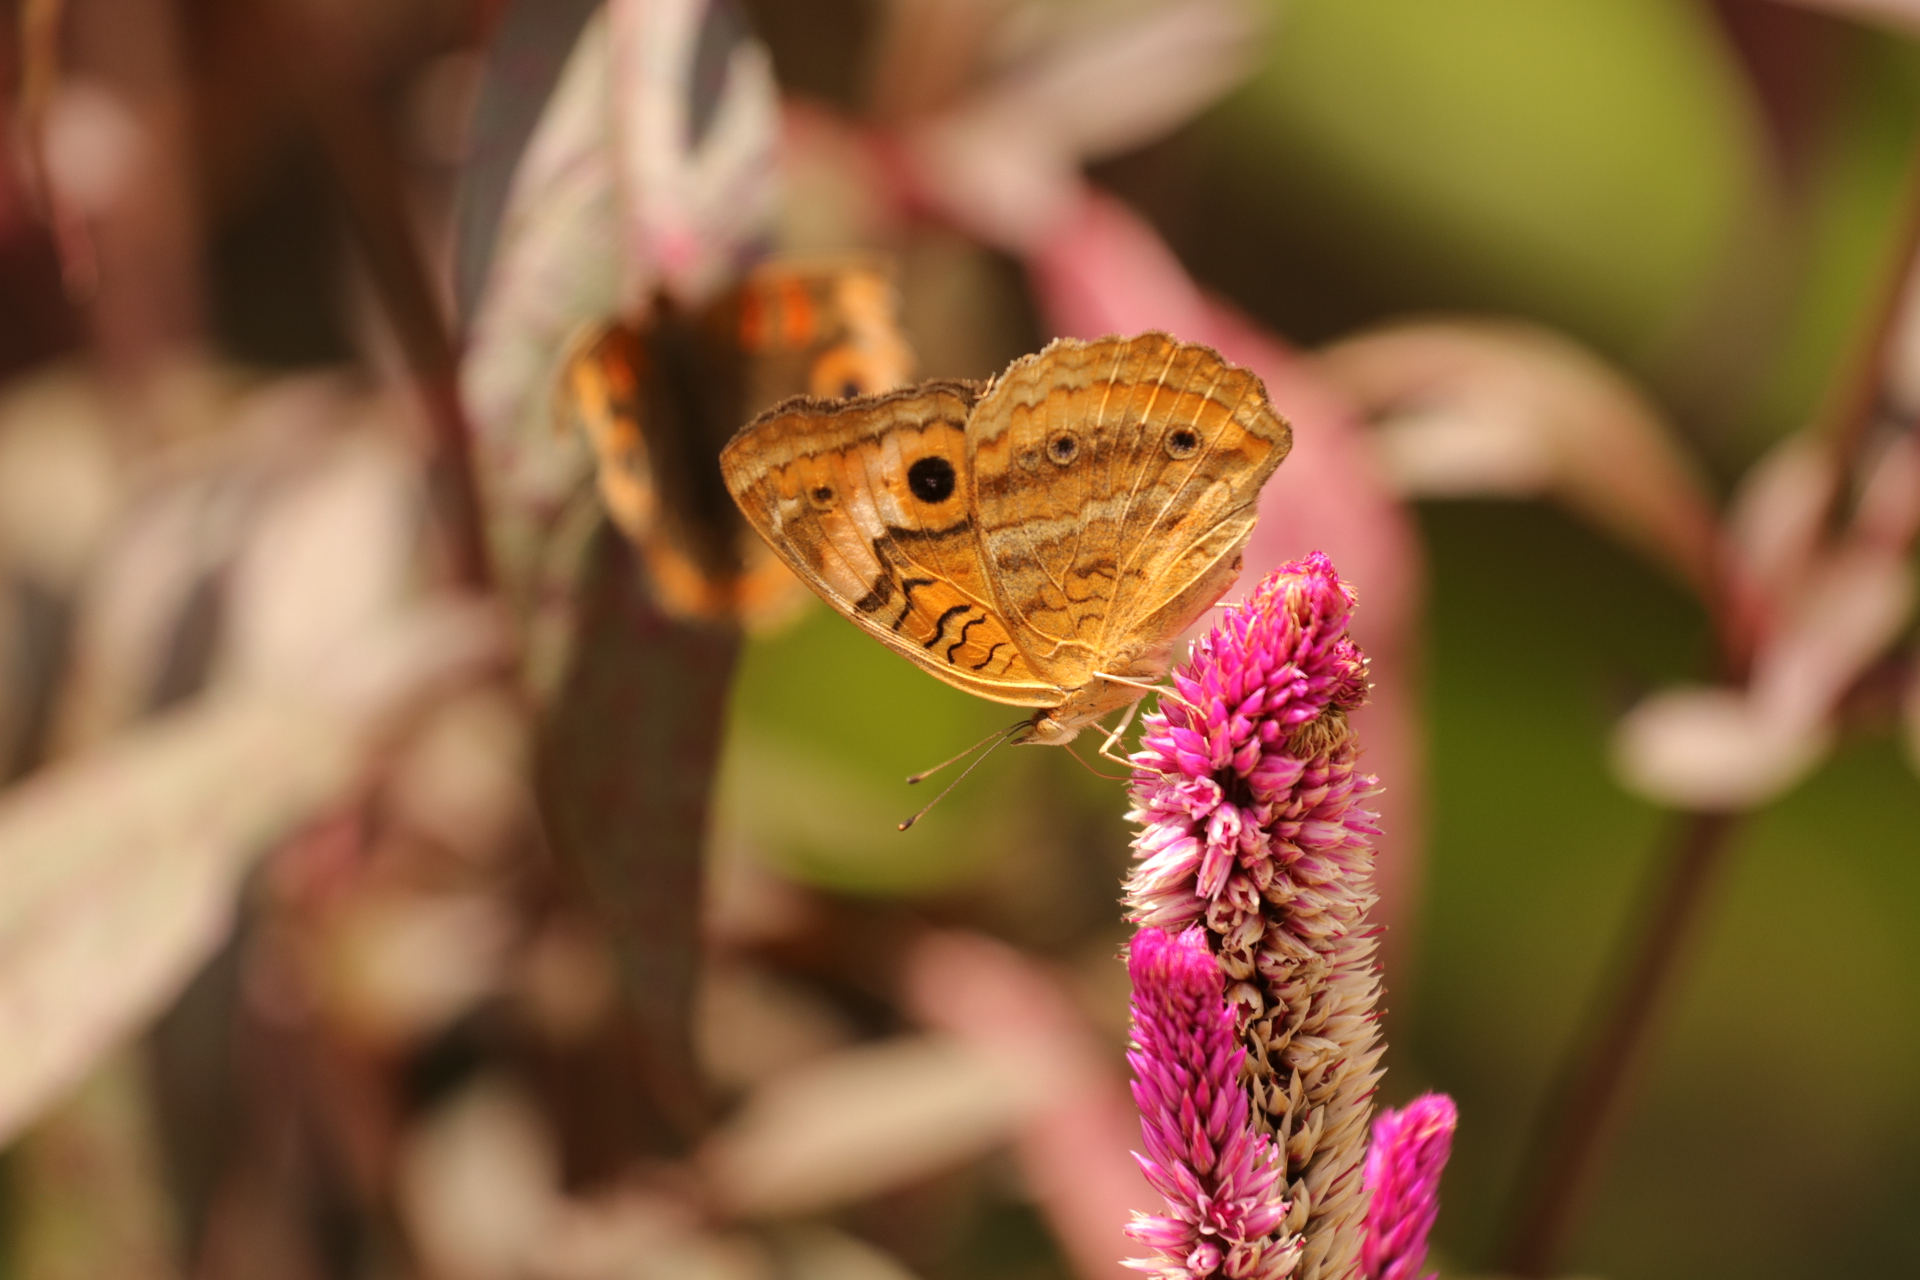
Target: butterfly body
{"x": 1029, "y": 539}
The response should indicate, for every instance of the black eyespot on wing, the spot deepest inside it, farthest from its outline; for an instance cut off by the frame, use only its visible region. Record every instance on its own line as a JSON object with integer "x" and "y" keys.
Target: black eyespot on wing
{"x": 1182, "y": 442}
{"x": 1063, "y": 448}
{"x": 931, "y": 479}
{"x": 849, "y": 389}
{"x": 822, "y": 497}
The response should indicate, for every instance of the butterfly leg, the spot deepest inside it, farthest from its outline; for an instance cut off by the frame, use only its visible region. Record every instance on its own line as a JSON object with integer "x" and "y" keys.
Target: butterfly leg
{"x": 1165, "y": 691}
{"x": 1106, "y": 748}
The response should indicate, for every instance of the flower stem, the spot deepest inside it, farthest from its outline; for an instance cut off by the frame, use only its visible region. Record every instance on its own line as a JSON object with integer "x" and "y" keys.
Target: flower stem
{"x": 1584, "y": 1109}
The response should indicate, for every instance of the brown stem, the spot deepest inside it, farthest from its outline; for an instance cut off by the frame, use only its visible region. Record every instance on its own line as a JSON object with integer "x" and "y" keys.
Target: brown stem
{"x": 1857, "y": 396}
{"x": 1586, "y": 1105}
{"x": 367, "y": 175}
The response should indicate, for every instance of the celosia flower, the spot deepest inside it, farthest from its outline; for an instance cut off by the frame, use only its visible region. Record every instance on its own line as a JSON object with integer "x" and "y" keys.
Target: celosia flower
{"x": 1409, "y": 1152}
{"x": 1253, "y": 829}
{"x": 1219, "y": 1174}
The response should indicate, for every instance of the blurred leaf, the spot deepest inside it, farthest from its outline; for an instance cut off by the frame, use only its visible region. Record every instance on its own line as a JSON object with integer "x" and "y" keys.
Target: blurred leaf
{"x": 926, "y": 52}
{"x": 1129, "y": 77}
{"x": 478, "y": 1184}
{"x": 152, "y": 608}
{"x": 395, "y": 966}
{"x": 128, "y": 653}
{"x": 640, "y": 1234}
{"x": 1713, "y": 750}
{"x": 1505, "y": 409}
{"x": 1004, "y": 161}
{"x": 1901, "y": 14}
{"x": 462, "y": 779}
{"x": 480, "y": 1191}
{"x": 553, "y": 268}
{"x": 696, "y": 130}
{"x": 815, "y": 1252}
{"x": 122, "y": 861}
{"x": 753, "y": 1025}
{"x": 1829, "y": 613}
{"x": 525, "y": 60}
{"x": 60, "y": 482}
{"x": 1726, "y": 749}
{"x": 60, "y": 487}
{"x": 1888, "y": 513}
{"x": 122, "y": 864}
{"x": 1856, "y": 603}
{"x": 324, "y": 565}
{"x": 863, "y": 1120}
{"x": 626, "y": 764}
{"x": 1775, "y": 522}
{"x": 1074, "y": 1146}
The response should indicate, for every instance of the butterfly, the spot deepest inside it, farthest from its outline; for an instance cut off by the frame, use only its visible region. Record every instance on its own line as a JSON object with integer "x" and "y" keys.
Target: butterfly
{"x": 1040, "y": 540}
{"x": 656, "y": 403}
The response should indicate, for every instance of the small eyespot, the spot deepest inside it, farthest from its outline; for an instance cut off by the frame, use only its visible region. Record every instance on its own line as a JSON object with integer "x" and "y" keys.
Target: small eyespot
{"x": 1182, "y": 442}
{"x": 849, "y": 389}
{"x": 931, "y": 479}
{"x": 1063, "y": 448}
{"x": 821, "y": 496}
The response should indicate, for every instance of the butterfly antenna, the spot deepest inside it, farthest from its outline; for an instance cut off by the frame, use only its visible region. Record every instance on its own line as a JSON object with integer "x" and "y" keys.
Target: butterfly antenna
{"x": 1005, "y": 737}
{"x": 924, "y": 774}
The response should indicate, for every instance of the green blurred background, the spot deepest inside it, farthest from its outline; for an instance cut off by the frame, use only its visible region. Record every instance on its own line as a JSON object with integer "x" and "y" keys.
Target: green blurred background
{"x": 1706, "y": 194}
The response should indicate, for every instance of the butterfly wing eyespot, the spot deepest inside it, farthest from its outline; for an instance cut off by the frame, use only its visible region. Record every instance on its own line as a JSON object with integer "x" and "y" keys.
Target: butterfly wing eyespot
{"x": 931, "y": 479}
{"x": 1062, "y": 448}
{"x": 822, "y": 497}
{"x": 1182, "y": 442}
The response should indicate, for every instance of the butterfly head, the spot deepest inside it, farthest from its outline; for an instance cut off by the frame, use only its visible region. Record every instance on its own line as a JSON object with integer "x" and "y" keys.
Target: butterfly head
{"x": 1098, "y": 698}
{"x": 1046, "y": 729}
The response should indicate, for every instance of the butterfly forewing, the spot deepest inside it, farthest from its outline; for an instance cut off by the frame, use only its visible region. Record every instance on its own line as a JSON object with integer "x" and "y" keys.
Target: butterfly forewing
{"x": 867, "y": 500}
{"x": 1114, "y": 486}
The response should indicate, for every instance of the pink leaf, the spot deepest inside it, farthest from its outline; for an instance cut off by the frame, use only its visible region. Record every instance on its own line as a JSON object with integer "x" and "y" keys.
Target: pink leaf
{"x": 1482, "y": 407}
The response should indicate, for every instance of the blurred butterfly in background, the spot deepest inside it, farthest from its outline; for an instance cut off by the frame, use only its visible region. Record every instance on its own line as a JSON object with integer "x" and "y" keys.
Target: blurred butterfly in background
{"x": 657, "y": 403}
{"x": 1039, "y": 540}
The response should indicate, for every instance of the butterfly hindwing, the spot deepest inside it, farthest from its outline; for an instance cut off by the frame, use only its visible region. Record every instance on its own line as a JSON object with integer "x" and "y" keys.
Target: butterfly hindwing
{"x": 866, "y": 499}
{"x": 1114, "y": 485}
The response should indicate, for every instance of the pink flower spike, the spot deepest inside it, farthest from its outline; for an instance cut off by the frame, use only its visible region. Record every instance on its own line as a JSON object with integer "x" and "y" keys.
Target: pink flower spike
{"x": 1404, "y": 1164}
{"x": 1219, "y": 1175}
{"x": 1256, "y": 782}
